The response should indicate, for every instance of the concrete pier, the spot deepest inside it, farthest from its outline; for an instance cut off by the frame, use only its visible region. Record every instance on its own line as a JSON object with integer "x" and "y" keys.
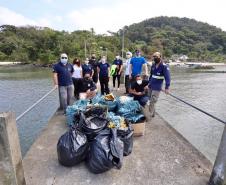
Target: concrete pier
{"x": 160, "y": 157}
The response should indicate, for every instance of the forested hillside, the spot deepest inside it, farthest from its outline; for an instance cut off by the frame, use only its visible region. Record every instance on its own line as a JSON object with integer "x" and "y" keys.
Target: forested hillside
{"x": 173, "y": 35}
{"x": 170, "y": 35}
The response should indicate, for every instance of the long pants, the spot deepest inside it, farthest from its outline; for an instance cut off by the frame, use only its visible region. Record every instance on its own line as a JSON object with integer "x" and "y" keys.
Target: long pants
{"x": 77, "y": 85}
{"x": 142, "y": 100}
{"x": 66, "y": 96}
{"x": 127, "y": 82}
{"x": 95, "y": 77}
{"x": 153, "y": 98}
{"x": 118, "y": 79}
{"x": 104, "y": 84}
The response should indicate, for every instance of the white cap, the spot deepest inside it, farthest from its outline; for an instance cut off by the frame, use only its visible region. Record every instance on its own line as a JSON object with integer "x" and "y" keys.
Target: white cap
{"x": 129, "y": 53}
{"x": 63, "y": 55}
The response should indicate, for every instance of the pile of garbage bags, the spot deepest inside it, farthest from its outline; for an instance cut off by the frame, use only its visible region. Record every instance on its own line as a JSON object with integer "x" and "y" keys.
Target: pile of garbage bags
{"x": 100, "y": 132}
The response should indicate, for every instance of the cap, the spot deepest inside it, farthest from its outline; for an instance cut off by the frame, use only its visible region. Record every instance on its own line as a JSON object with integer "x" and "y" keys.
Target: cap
{"x": 63, "y": 55}
{"x": 157, "y": 54}
{"x": 129, "y": 53}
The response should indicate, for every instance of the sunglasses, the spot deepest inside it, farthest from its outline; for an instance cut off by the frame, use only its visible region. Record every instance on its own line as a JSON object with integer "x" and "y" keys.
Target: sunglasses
{"x": 63, "y": 57}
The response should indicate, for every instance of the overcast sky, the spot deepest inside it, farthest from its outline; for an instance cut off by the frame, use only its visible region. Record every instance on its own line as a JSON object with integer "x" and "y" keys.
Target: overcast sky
{"x": 104, "y": 15}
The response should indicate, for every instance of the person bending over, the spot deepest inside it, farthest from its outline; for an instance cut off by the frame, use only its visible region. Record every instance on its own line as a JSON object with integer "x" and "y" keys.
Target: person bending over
{"x": 88, "y": 87}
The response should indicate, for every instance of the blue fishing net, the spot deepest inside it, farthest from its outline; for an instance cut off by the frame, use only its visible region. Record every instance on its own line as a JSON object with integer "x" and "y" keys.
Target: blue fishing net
{"x": 131, "y": 110}
{"x": 116, "y": 120}
{"x": 79, "y": 105}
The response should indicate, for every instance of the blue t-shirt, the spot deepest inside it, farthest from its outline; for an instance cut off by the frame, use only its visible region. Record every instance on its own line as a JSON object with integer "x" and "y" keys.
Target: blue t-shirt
{"x": 103, "y": 69}
{"x": 137, "y": 63}
{"x": 87, "y": 69}
{"x": 64, "y": 73}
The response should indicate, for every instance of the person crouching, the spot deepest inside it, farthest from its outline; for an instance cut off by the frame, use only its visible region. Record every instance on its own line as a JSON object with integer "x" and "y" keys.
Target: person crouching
{"x": 88, "y": 87}
{"x": 139, "y": 89}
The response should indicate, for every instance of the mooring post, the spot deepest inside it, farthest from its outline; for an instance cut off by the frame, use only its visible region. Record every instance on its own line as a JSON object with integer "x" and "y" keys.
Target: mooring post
{"x": 11, "y": 168}
{"x": 218, "y": 175}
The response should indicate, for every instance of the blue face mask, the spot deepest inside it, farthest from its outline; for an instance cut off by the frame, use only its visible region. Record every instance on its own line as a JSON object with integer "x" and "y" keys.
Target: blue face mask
{"x": 63, "y": 61}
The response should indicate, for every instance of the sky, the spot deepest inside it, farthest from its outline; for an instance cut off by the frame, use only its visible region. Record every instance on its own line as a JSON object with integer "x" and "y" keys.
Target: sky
{"x": 106, "y": 15}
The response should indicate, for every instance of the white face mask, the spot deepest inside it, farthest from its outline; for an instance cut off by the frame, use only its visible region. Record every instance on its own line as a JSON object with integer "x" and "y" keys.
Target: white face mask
{"x": 63, "y": 61}
{"x": 103, "y": 61}
{"x": 117, "y": 57}
{"x": 139, "y": 82}
{"x": 86, "y": 61}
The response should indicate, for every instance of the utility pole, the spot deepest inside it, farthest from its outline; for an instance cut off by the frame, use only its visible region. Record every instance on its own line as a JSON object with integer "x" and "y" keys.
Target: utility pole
{"x": 123, "y": 40}
{"x": 85, "y": 48}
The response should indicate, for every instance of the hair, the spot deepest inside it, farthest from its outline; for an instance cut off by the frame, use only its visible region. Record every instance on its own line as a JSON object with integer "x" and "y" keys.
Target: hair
{"x": 77, "y": 62}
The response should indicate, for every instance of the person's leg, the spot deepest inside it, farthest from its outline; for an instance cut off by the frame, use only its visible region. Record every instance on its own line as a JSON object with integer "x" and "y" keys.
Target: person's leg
{"x": 70, "y": 91}
{"x": 118, "y": 78}
{"x": 106, "y": 80}
{"x": 82, "y": 96}
{"x": 95, "y": 77}
{"x": 127, "y": 83}
{"x": 153, "y": 98}
{"x": 114, "y": 78}
{"x": 143, "y": 100}
{"x": 63, "y": 97}
{"x": 75, "y": 86}
{"x": 101, "y": 85}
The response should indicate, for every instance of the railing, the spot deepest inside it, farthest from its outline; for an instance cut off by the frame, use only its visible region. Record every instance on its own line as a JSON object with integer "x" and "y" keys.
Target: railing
{"x": 218, "y": 175}
{"x": 10, "y": 155}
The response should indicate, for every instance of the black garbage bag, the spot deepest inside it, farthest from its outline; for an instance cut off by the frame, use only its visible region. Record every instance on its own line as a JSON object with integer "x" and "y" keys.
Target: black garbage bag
{"x": 72, "y": 148}
{"x": 126, "y": 136}
{"x": 92, "y": 122}
{"x": 106, "y": 152}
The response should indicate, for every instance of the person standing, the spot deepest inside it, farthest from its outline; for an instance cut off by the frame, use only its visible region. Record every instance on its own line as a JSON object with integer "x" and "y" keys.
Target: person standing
{"x": 87, "y": 68}
{"x": 128, "y": 58}
{"x": 62, "y": 78}
{"x": 159, "y": 72}
{"x": 117, "y": 74}
{"x": 77, "y": 76}
{"x": 104, "y": 75}
{"x": 94, "y": 63}
{"x": 136, "y": 64}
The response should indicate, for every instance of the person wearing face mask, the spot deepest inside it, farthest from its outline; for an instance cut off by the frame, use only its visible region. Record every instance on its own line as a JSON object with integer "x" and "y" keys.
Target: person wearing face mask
{"x": 139, "y": 89}
{"x": 94, "y": 63}
{"x": 136, "y": 64}
{"x": 159, "y": 72}
{"x": 127, "y": 68}
{"x": 62, "y": 78}
{"x": 77, "y": 76}
{"x": 87, "y": 68}
{"x": 104, "y": 75}
{"x": 118, "y": 69}
{"x": 88, "y": 87}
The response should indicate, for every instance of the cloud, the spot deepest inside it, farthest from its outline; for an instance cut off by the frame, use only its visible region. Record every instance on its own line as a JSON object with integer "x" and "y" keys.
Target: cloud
{"x": 8, "y": 16}
{"x": 115, "y": 16}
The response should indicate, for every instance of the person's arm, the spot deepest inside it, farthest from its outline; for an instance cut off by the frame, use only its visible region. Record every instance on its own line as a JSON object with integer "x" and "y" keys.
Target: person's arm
{"x": 134, "y": 92}
{"x": 55, "y": 80}
{"x": 166, "y": 73}
{"x": 109, "y": 71}
{"x": 146, "y": 69}
{"x": 130, "y": 70}
{"x": 120, "y": 68}
{"x": 81, "y": 72}
{"x": 92, "y": 73}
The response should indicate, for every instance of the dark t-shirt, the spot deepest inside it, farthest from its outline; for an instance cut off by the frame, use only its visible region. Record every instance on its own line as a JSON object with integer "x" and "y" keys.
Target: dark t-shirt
{"x": 94, "y": 63}
{"x": 103, "y": 69}
{"x": 87, "y": 69}
{"x": 63, "y": 73}
{"x": 119, "y": 65}
{"x": 139, "y": 88}
{"x": 87, "y": 84}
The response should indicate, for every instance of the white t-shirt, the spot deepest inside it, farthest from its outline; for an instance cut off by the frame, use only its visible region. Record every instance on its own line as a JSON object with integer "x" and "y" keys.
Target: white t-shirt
{"x": 77, "y": 72}
{"x": 127, "y": 66}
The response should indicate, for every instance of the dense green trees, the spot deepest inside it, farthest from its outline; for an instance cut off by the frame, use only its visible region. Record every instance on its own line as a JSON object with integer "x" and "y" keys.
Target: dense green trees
{"x": 170, "y": 35}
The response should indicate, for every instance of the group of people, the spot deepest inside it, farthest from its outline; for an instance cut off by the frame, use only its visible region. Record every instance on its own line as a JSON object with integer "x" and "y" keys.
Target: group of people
{"x": 79, "y": 80}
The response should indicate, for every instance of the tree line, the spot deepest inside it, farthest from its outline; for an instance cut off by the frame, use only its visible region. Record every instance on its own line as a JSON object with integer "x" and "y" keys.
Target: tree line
{"x": 169, "y": 35}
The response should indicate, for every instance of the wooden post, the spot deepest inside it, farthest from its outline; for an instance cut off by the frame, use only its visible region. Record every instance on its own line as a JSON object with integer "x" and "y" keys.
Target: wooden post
{"x": 218, "y": 176}
{"x": 11, "y": 168}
